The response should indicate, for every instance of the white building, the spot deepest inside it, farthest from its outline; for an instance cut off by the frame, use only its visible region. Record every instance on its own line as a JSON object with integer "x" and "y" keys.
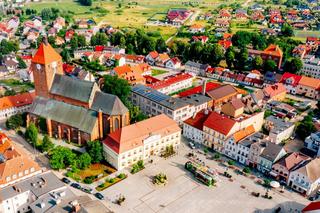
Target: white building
{"x": 313, "y": 142}
{"x": 174, "y": 83}
{"x": 193, "y": 127}
{"x": 279, "y": 130}
{"x": 141, "y": 141}
{"x": 311, "y": 66}
{"x": 306, "y": 178}
{"x": 11, "y": 105}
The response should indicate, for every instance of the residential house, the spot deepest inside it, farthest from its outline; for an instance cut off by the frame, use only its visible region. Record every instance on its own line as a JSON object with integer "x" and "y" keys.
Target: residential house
{"x": 306, "y": 177}
{"x": 173, "y": 63}
{"x": 195, "y": 68}
{"x": 224, "y": 14}
{"x": 69, "y": 35}
{"x": 59, "y": 41}
{"x": 202, "y": 39}
{"x": 281, "y": 170}
{"x": 10, "y": 62}
{"x": 276, "y": 92}
{"x": 308, "y": 87}
{"x": 279, "y": 130}
{"x": 253, "y": 101}
{"x": 138, "y": 59}
{"x": 272, "y": 52}
{"x": 162, "y": 59}
{"x": 244, "y": 146}
{"x": 202, "y": 89}
{"x": 13, "y": 22}
{"x": 144, "y": 68}
{"x": 271, "y": 78}
{"x": 290, "y": 81}
{"x": 11, "y": 105}
{"x": 82, "y": 24}
{"x": 312, "y": 142}
{"x": 197, "y": 28}
{"x": 178, "y": 16}
{"x": 222, "y": 23}
{"x": 270, "y": 153}
{"x": 126, "y": 72}
{"x": 222, "y": 94}
{"x": 257, "y": 16}
{"x": 233, "y": 108}
{"x": 141, "y": 141}
{"x": 301, "y": 51}
{"x": 152, "y": 57}
{"x": 173, "y": 83}
{"x": 59, "y": 23}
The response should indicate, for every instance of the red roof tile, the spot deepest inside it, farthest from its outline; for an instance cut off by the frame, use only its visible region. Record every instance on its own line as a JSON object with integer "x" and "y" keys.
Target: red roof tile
{"x": 312, "y": 207}
{"x": 198, "y": 120}
{"x": 294, "y": 78}
{"x": 171, "y": 80}
{"x": 45, "y": 54}
{"x": 198, "y": 89}
{"x": 219, "y": 123}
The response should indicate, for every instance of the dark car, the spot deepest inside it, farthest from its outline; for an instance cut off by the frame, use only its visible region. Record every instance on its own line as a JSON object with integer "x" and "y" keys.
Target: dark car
{"x": 66, "y": 180}
{"x": 99, "y": 196}
{"x": 76, "y": 185}
{"x": 87, "y": 190}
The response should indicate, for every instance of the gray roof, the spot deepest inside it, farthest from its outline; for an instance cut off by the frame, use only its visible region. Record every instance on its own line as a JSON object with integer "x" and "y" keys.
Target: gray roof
{"x": 256, "y": 137}
{"x": 32, "y": 184}
{"x": 158, "y": 97}
{"x": 75, "y": 116}
{"x": 271, "y": 151}
{"x": 109, "y": 104}
{"x": 197, "y": 65}
{"x": 196, "y": 99}
{"x": 279, "y": 124}
{"x": 72, "y": 88}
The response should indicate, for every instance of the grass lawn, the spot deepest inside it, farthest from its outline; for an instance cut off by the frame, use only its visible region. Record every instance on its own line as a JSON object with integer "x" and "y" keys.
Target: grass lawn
{"x": 302, "y": 35}
{"x": 16, "y": 85}
{"x": 156, "y": 72}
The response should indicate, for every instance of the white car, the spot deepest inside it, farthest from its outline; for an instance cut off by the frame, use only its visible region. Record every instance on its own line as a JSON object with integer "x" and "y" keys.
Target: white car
{"x": 192, "y": 146}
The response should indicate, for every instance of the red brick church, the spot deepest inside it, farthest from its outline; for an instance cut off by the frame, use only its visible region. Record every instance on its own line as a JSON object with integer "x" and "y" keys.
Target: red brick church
{"x": 74, "y": 110}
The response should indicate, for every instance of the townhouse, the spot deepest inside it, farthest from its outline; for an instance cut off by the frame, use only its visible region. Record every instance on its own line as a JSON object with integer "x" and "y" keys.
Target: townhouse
{"x": 282, "y": 168}
{"x": 306, "y": 177}
{"x": 279, "y": 130}
{"x": 141, "y": 141}
{"x": 11, "y": 105}
{"x": 311, "y": 66}
{"x": 276, "y": 92}
{"x": 133, "y": 76}
{"x": 290, "y": 81}
{"x": 195, "y": 68}
{"x": 222, "y": 94}
{"x": 312, "y": 142}
{"x": 308, "y": 87}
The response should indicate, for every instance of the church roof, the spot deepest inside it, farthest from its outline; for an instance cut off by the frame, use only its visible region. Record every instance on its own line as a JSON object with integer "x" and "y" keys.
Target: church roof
{"x": 45, "y": 54}
{"x": 72, "y": 88}
{"x": 109, "y": 104}
{"x": 75, "y": 116}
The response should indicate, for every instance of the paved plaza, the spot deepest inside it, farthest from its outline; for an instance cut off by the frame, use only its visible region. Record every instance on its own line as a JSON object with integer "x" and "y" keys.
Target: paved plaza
{"x": 185, "y": 194}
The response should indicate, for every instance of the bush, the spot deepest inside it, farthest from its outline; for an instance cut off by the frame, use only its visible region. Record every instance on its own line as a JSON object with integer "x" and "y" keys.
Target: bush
{"x": 89, "y": 180}
{"x": 140, "y": 164}
{"x": 112, "y": 180}
{"x": 121, "y": 175}
{"x": 246, "y": 170}
{"x": 101, "y": 185}
{"x": 231, "y": 162}
{"x": 217, "y": 156}
{"x": 69, "y": 174}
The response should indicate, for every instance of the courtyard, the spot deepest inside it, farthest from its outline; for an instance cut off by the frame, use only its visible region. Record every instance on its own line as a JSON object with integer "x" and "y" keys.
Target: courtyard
{"x": 183, "y": 193}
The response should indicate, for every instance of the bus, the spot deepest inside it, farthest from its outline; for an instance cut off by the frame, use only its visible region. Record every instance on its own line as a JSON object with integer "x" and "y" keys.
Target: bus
{"x": 199, "y": 175}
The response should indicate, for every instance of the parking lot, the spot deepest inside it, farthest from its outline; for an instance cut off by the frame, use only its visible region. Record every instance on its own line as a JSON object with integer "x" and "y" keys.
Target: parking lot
{"x": 184, "y": 193}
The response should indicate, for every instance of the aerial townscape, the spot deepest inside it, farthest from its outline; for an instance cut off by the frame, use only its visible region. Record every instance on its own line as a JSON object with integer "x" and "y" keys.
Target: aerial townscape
{"x": 159, "y": 106}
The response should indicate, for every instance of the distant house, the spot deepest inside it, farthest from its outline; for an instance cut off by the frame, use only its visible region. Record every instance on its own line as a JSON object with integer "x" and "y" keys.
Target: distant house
{"x": 196, "y": 28}
{"x": 279, "y": 130}
{"x": 222, "y": 94}
{"x": 202, "y": 39}
{"x": 290, "y": 81}
{"x": 196, "y": 68}
{"x": 82, "y": 24}
{"x": 224, "y": 14}
{"x": 135, "y": 58}
{"x": 233, "y": 108}
{"x": 312, "y": 142}
{"x": 152, "y": 57}
{"x": 173, "y": 63}
{"x": 59, "y": 23}
{"x": 162, "y": 59}
{"x": 222, "y": 23}
{"x": 133, "y": 76}
{"x": 308, "y": 87}
{"x": 10, "y": 62}
{"x": 178, "y": 16}
{"x": 276, "y": 92}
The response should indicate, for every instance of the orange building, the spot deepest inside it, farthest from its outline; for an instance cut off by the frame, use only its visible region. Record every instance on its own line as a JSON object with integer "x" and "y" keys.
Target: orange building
{"x": 74, "y": 110}
{"x": 272, "y": 52}
{"x": 131, "y": 74}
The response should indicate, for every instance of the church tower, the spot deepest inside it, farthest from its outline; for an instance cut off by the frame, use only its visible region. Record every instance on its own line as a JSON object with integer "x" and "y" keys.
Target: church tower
{"x": 44, "y": 65}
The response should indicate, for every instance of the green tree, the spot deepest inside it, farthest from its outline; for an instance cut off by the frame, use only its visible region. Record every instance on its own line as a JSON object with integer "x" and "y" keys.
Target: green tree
{"x": 242, "y": 58}
{"x": 61, "y": 157}
{"x": 15, "y": 121}
{"x": 217, "y": 54}
{"x": 95, "y": 150}
{"x": 117, "y": 86}
{"x": 230, "y": 57}
{"x": 306, "y": 127}
{"x": 122, "y": 42}
{"x": 84, "y": 161}
{"x": 46, "y": 144}
{"x": 269, "y": 65}
{"x": 257, "y": 62}
{"x": 21, "y": 63}
{"x": 161, "y": 45}
{"x": 287, "y": 30}
{"x": 66, "y": 56}
{"x": 31, "y": 134}
{"x": 74, "y": 42}
{"x": 10, "y": 92}
{"x": 82, "y": 41}
{"x": 136, "y": 114}
{"x": 293, "y": 65}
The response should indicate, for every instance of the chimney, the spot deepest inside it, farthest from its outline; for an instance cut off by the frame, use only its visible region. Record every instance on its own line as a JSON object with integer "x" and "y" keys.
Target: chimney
{"x": 204, "y": 85}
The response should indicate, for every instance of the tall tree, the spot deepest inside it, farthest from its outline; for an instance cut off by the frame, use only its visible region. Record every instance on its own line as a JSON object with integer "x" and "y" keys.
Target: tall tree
{"x": 84, "y": 160}
{"x": 46, "y": 144}
{"x": 269, "y": 65}
{"x": 31, "y": 134}
{"x": 161, "y": 45}
{"x": 287, "y": 30}
{"x": 230, "y": 57}
{"x": 257, "y": 63}
{"x": 293, "y": 65}
{"x": 117, "y": 86}
{"x": 95, "y": 150}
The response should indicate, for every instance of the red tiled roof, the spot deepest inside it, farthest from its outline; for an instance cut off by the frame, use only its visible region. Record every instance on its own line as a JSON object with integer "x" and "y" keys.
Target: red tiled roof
{"x": 198, "y": 89}
{"x": 45, "y": 54}
{"x": 219, "y": 123}
{"x": 198, "y": 120}
{"x": 171, "y": 80}
{"x": 16, "y": 100}
{"x": 295, "y": 78}
{"x": 68, "y": 68}
{"x": 273, "y": 90}
{"x": 154, "y": 54}
{"x": 312, "y": 207}
{"x": 99, "y": 48}
{"x": 122, "y": 69}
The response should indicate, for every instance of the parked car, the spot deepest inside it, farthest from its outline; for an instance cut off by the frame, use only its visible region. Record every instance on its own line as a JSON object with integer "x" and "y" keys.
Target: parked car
{"x": 99, "y": 196}
{"x": 76, "y": 185}
{"x": 87, "y": 190}
{"x": 66, "y": 180}
{"x": 192, "y": 146}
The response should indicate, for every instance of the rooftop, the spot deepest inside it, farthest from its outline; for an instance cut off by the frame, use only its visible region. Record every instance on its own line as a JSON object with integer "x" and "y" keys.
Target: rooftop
{"x": 45, "y": 54}
{"x": 220, "y": 123}
{"x": 222, "y": 92}
{"x": 16, "y": 100}
{"x": 198, "y": 120}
